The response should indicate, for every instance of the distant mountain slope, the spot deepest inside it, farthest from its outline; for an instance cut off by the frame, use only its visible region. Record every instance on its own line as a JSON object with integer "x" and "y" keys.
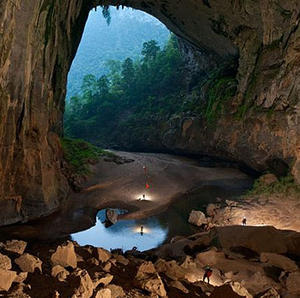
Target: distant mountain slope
{"x": 123, "y": 38}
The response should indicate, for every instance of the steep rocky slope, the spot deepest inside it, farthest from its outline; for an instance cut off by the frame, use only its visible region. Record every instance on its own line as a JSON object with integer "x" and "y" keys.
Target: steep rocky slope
{"x": 39, "y": 38}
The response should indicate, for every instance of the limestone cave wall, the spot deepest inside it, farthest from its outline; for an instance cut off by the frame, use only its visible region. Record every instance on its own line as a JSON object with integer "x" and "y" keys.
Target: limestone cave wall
{"x": 39, "y": 38}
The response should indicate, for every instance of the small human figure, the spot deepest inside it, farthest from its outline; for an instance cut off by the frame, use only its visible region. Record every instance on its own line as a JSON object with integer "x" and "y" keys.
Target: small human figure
{"x": 142, "y": 230}
{"x": 207, "y": 273}
{"x": 244, "y": 221}
{"x": 144, "y": 197}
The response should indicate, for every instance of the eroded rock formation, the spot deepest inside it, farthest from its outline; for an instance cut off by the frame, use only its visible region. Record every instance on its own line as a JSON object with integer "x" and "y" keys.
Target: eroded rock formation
{"x": 39, "y": 38}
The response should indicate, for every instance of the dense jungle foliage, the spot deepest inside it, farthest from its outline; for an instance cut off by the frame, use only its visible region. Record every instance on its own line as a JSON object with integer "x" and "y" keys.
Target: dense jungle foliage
{"x": 122, "y": 38}
{"x": 130, "y": 100}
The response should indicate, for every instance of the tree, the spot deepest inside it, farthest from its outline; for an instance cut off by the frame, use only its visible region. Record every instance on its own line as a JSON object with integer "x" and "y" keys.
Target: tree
{"x": 150, "y": 50}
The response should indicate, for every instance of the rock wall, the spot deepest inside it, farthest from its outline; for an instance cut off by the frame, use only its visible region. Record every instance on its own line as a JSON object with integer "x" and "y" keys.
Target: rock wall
{"x": 39, "y": 38}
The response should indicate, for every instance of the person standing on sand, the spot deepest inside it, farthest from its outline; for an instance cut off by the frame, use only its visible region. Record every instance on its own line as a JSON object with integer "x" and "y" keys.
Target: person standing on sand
{"x": 244, "y": 221}
{"x": 207, "y": 273}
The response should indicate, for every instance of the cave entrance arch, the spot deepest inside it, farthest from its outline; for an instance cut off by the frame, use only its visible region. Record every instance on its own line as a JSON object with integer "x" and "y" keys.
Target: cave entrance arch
{"x": 39, "y": 40}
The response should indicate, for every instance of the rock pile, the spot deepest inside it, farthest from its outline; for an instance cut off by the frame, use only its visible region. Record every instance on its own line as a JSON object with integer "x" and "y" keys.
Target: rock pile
{"x": 242, "y": 267}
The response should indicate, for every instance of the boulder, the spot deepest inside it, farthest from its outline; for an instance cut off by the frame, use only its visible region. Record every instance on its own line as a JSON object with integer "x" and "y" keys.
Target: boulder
{"x": 107, "y": 267}
{"x": 268, "y": 179}
{"x": 197, "y": 218}
{"x": 5, "y": 262}
{"x": 99, "y": 278}
{"x": 21, "y": 277}
{"x": 116, "y": 291}
{"x": 86, "y": 287}
{"x": 270, "y": 293}
{"x": 15, "y": 246}
{"x": 65, "y": 256}
{"x": 7, "y": 277}
{"x": 103, "y": 255}
{"x": 279, "y": 261}
{"x": 144, "y": 269}
{"x": 103, "y": 293}
{"x": 59, "y": 272}
{"x": 178, "y": 285}
{"x": 293, "y": 282}
{"x": 171, "y": 269}
{"x": 153, "y": 284}
{"x": 28, "y": 263}
{"x": 122, "y": 260}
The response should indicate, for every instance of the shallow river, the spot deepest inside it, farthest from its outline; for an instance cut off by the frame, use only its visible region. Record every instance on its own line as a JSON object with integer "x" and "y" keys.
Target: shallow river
{"x": 159, "y": 228}
{"x": 176, "y": 186}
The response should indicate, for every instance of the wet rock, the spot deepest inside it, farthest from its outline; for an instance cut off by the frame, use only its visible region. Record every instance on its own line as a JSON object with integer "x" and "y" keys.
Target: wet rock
{"x": 293, "y": 282}
{"x": 29, "y": 263}
{"x": 5, "y": 262}
{"x": 116, "y": 291}
{"x": 65, "y": 256}
{"x": 197, "y": 218}
{"x": 103, "y": 255}
{"x": 268, "y": 179}
{"x": 178, "y": 285}
{"x": 279, "y": 261}
{"x": 15, "y": 246}
{"x": 86, "y": 287}
{"x": 6, "y": 279}
{"x": 103, "y": 293}
{"x": 59, "y": 272}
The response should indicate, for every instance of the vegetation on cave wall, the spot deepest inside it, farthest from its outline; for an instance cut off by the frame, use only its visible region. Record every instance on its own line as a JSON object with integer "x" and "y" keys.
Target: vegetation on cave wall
{"x": 133, "y": 103}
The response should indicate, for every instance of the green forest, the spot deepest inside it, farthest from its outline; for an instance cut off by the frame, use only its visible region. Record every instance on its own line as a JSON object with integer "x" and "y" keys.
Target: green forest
{"x": 122, "y": 38}
{"x": 129, "y": 101}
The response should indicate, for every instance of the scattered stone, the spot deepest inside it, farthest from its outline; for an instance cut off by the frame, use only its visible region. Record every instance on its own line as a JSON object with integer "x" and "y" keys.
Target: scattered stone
{"x": 5, "y": 262}
{"x": 197, "y": 218}
{"x": 178, "y": 285}
{"x": 6, "y": 279}
{"x": 279, "y": 261}
{"x": 116, "y": 291}
{"x": 28, "y": 263}
{"x": 86, "y": 286}
{"x": 268, "y": 179}
{"x": 65, "y": 256}
{"x": 103, "y": 293}
{"x": 21, "y": 277}
{"x": 103, "y": 255}
{"x": 293, "y": 282}
{"x": 122, "y": 260}
{"x": 16, "y": 246}
{"x": 59, "y": 272}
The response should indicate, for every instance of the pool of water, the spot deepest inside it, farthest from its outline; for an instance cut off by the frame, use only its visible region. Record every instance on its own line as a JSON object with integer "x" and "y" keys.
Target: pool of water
{"x": 157, "y": 229}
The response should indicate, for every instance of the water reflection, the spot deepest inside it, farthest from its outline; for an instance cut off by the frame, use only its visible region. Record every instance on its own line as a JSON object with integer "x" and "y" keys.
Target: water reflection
{"x": 124, "y": 234}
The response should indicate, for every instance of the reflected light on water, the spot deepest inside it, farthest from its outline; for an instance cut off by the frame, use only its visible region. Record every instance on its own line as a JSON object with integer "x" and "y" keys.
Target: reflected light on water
{"x": 147, "y": 197}
{"x": 139, "y": 230}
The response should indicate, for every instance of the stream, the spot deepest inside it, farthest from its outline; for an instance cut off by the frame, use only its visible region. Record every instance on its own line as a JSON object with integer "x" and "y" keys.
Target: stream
{"x": 176, "y": 185}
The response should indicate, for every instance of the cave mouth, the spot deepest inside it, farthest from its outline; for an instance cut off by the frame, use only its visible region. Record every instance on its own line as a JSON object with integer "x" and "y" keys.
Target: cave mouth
{"x": 131, "y": 77}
